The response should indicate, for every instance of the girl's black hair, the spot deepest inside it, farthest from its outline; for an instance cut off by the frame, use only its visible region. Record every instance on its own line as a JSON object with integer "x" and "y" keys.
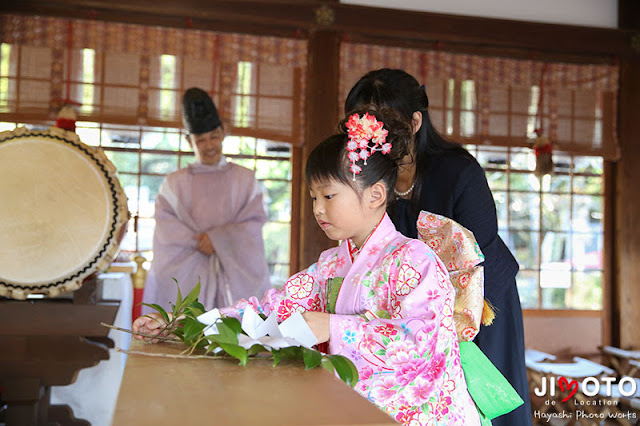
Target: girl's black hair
{"x": 395, "y": 88}
{"x": 329, "y": 160}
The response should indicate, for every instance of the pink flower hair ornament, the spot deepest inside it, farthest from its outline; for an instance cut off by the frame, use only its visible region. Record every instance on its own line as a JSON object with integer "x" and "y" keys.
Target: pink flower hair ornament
{"x": 366, "y": 135}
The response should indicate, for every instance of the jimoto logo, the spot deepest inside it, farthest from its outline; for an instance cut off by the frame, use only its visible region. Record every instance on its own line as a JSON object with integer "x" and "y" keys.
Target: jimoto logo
{"x": 594, "y": 398}
{"x": 589, "y": 386}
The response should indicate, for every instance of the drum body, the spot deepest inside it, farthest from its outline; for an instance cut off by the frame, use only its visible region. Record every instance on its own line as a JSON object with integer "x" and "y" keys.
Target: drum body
{"x": 62, "y": 212}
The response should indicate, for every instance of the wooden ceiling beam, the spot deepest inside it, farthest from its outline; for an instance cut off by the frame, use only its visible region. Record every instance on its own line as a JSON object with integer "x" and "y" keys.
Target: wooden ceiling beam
{"x": 298, "y": 18}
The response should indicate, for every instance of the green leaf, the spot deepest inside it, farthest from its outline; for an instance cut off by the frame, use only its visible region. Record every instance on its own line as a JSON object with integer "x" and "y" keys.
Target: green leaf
{"x": 386, "y": 340}
{"x": 158, "y": 308}
{"x": 192, "y": 330}
{"x": 226, "y": 334}
{"x": 256, "y": 349}
{"x": 275, "y": 353}
{"x": 220, "y": 340}
{"x": 178, "y": 306}
{"x": 311, "y": 358}
{"x": 328, "y": 365}
{"x": 346, "y": 370}
{"x": 425, "y": 408}
{"x": 211, "y": 346}
{"x": 199, "y": 342}
{"x": 291, "y": 352}
{"x": 198, "y": 305}
{"x": 380, "y": 352}
{"x": 193, "y": 312}
{"x": 233, "y": 323}
{"x": 192, "y": 296}
{"x": 236, "y": 351}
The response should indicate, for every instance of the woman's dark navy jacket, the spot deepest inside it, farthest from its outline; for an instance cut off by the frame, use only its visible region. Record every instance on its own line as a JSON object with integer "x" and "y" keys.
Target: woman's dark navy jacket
{"x": 455, "y": 186}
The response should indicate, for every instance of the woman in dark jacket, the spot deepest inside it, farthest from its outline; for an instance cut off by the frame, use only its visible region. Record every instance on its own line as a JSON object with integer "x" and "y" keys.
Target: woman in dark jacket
{"x": 442, "y": 177}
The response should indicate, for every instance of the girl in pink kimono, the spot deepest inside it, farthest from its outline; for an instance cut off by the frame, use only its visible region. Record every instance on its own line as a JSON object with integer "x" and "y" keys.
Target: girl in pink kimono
{"x": 381, "y": 299}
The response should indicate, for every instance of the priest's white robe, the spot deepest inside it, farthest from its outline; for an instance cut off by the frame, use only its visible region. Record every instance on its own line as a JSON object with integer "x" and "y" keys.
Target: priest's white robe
{"x": 225, "y": 202}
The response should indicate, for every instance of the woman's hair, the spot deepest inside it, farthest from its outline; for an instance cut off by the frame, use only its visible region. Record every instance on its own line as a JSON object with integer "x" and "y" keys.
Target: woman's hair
{"x": 329, "y": 161}
{"x": 394, "y": 88}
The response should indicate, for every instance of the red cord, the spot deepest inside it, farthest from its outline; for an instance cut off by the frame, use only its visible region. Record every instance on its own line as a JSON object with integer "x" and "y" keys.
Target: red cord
{"x": 136, "y": 309}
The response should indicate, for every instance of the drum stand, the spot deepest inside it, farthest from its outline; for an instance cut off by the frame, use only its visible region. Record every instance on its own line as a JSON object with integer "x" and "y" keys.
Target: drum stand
{"x": 44, "y": 343}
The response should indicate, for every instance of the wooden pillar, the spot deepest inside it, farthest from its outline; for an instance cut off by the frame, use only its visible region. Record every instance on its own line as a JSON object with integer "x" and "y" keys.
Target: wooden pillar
{"x": 321, "y": 119}
{"x": 627, "y": 178}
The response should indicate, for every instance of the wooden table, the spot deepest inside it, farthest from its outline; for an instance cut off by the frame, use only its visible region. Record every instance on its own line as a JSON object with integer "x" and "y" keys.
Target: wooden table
{"x": 166, "y": 391}
{"x": 44, "y": 343}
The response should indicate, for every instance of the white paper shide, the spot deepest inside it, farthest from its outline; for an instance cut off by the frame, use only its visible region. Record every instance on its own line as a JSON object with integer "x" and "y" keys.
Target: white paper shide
{"x": 294, "y": 331}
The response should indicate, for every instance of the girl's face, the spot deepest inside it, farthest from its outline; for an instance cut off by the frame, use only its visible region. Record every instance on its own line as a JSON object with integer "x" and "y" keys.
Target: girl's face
{"x": 340, "y": 211}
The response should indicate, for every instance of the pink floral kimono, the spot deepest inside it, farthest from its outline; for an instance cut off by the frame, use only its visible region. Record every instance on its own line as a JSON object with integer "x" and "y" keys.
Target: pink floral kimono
{"x": 393, "y": 306}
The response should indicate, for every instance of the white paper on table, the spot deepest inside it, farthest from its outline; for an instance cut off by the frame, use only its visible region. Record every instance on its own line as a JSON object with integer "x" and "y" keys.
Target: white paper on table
{"x": 296, "y": 327}
{"x": 294, "y": 331}
{"x": 256, "y": 327}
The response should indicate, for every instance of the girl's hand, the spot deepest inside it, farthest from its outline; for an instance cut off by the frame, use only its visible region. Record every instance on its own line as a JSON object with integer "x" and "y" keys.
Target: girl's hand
{"x": 152, "y": 324}
{"x": 320, "y": 324}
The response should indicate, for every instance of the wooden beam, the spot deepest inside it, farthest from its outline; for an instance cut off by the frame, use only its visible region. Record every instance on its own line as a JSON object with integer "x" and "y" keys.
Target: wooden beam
{"x": 483, "y": 32}
{"x": 629, "y": 15}
{"x": 252, "y": 17}
{"x": 289, "y": 18}
{"x": 511, "y": 52}
{"x": 610, "y": 314}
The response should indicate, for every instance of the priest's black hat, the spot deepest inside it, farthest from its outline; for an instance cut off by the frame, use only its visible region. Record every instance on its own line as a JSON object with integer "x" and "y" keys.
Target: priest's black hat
{"x": 199, "y": 113}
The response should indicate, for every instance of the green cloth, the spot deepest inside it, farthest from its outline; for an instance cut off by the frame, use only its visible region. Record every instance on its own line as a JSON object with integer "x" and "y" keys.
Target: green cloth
{"x": 492, "y": 393}
{"x": 484, "y": 420}
{"x": 333, "y": 288}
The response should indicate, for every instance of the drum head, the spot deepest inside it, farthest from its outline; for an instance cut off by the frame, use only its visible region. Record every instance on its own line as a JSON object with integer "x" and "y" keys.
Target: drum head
{"x": 62, "y": 212}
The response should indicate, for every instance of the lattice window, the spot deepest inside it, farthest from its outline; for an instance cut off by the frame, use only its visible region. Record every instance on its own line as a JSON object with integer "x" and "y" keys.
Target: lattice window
{"x": 493, "y": 101}
{"x": 129, "y": 81}
{"x": 553, "y": 225}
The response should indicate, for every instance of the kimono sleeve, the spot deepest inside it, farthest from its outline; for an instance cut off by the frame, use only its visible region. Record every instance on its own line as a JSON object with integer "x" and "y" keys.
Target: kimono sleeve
{"x": 410, "y": 352}
{"x": 302, "y": 292}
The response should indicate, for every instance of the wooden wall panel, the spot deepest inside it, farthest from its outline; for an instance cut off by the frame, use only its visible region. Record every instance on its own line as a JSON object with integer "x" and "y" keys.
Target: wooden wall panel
{"x": 561, "y": 334}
